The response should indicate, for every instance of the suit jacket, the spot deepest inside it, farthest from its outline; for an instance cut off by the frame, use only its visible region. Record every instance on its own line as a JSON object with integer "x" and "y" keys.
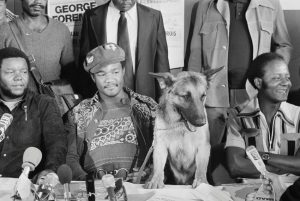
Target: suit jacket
{"x": 151, "y": 53}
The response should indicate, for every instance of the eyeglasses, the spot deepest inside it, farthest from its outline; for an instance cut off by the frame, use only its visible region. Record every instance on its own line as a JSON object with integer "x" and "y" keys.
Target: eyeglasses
{"x": 120, "y": 173}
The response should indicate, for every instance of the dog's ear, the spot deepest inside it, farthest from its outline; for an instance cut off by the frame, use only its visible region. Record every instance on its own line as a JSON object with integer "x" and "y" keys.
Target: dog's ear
{"x": 165, "y": 80}
{"x": 209, "y": 73}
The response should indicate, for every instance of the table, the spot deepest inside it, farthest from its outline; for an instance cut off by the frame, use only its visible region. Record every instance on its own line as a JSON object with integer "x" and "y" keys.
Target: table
{"x": 136, "y": 192}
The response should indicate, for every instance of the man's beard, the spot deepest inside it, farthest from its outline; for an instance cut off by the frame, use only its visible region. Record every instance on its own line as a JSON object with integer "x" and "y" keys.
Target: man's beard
{"x": 34, "y": 14}
{"x": 6, "y": 92}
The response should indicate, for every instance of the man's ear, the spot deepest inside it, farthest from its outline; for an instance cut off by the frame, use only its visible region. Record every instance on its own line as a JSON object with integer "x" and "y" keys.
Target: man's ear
{"x": 209, "y": 73}
{"x": 92, "y": 76}
{"x": 165, "y": 80}
{"x": 257, "y": 82}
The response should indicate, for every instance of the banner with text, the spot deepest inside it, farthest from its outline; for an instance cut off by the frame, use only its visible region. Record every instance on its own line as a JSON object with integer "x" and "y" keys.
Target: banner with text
{"x": 70, "y": 12}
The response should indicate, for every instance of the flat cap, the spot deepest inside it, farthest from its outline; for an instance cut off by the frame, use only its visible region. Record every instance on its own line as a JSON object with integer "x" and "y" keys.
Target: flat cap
{"x": 103, "y": 55}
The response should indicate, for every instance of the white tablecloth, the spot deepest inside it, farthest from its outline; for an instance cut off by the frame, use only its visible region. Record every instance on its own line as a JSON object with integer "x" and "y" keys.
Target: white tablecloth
{"x": 136, "y": 192}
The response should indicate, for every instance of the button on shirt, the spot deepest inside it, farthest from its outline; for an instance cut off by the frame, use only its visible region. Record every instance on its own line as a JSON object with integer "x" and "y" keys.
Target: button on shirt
{"x": 286, "y": 120}
{"x": 112, "y": 19}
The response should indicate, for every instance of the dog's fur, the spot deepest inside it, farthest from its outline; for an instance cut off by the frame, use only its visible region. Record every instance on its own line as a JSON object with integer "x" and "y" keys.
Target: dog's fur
{"x": 181, "y": 132}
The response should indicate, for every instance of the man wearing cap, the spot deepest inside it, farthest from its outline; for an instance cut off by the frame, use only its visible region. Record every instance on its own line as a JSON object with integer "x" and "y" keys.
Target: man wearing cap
{"x": 112, "y": 131}
{"x": 139, "y": 30}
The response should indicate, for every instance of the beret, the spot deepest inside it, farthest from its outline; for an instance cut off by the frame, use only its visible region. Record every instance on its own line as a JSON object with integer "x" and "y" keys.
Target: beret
{"x": 102, "y": 56}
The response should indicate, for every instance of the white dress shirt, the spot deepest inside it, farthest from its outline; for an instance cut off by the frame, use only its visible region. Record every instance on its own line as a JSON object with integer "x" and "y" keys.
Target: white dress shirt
{"x": 112, "y": 19}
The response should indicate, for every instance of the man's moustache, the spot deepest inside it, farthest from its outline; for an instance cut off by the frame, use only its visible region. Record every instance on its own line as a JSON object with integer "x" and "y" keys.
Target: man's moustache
{"x": 35, "y": 5}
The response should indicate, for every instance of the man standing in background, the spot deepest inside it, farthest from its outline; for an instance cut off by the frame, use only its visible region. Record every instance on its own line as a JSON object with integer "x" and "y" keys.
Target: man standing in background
{"x": 139, "y": 30}
{"x": 48, "y": 40}
{"x": 231, "y": 33}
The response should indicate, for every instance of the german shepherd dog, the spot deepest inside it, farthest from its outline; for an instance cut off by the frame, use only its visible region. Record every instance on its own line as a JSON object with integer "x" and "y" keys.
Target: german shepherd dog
{"x": 181, "y": 132}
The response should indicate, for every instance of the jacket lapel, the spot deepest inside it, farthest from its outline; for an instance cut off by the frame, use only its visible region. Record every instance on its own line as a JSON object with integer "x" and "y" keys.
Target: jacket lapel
{"x": 223, "y": 8}
{"x": 145, "y": 21}
{"x": 98, "y": 23}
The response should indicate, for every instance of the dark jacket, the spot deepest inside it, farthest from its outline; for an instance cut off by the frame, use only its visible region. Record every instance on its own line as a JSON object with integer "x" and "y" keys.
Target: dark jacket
{"x": 36, "y": 123}
{"x": 151, "y": 53}
{"x": 143, "y": 111}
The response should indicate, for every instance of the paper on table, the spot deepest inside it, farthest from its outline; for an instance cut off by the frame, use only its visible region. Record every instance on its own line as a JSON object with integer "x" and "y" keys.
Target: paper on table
{"x": 203, "y": 192}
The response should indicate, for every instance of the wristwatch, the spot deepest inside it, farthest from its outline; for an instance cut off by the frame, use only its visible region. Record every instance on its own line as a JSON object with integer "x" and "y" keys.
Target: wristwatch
{"x": 265, "y": 157}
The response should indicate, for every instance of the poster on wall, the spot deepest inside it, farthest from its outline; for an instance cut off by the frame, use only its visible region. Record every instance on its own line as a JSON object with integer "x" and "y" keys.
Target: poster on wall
{"x": 173, "y": 16}
{"x": 70, "y": 12}
{"x": 290, "y": 4}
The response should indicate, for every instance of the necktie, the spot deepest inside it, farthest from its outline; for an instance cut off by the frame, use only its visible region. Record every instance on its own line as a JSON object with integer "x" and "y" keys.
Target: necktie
{"x": 123, "y": 42}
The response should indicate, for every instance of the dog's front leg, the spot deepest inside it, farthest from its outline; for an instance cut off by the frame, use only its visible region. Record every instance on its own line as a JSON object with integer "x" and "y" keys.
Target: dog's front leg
{"x": 202, "y": 159}
{"x": 159, "y": 160}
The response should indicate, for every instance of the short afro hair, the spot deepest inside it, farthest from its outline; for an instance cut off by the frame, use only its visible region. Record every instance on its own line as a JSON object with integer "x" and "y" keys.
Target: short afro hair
{"x": 258, "y": 65}
{"x": 11, "y": 52}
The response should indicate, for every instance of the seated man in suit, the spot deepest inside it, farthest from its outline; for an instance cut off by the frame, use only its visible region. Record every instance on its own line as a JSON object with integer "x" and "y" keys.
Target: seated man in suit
{"x": 266, "y": 121}
{"x": 112, "y": 131}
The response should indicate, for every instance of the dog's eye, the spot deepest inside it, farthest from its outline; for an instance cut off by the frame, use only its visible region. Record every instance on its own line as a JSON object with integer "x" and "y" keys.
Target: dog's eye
{"x": 203, "y": 97}
{"x": 185, "y": 96}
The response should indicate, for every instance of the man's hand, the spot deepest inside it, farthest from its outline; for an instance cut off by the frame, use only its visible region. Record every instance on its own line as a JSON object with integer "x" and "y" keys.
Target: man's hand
{"x": 132, "y": 177}
{"x": 271, "y": 183}
{"x": 273, "y": 180}
{"x": 42, "y": 176}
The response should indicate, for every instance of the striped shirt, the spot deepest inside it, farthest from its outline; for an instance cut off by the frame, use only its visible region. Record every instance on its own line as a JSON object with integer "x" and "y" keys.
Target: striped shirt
{"x": 248, "y": 126}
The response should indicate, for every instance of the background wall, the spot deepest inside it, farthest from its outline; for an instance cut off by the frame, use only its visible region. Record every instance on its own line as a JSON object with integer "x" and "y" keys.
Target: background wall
{"x": 292, "y": 19}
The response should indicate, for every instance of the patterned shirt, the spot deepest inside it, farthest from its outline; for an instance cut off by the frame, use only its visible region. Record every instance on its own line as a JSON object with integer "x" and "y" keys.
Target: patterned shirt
{"x": 248, "y": 126}
{"x": 113, "y": 144}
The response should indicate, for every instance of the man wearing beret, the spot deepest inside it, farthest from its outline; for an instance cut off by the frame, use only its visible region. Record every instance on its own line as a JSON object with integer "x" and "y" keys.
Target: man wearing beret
{"x": 139, "y": 30}
{"x": 112, "y": 131}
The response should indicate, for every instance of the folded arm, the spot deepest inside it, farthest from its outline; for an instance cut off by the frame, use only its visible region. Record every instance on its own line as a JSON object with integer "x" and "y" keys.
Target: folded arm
{"x": 74, "y": 152}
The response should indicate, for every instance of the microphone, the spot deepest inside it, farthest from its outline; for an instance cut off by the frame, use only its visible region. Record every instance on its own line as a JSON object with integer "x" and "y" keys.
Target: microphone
{"x": 5, "y": 121}
{"x": 90, "y": 187}
{"x": 46, "y": 188}
{"x": 64, "y": 173}
{"x": 31, "y": 158}
{"x": 254, "y": 156}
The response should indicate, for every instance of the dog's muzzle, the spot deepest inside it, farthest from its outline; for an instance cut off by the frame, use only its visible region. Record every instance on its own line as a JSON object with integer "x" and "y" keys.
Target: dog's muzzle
{"x": 189, "y": 126}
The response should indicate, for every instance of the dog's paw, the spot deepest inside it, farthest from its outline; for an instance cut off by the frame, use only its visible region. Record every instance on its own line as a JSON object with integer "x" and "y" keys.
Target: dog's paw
{"x": 198, "y": 181}
{"x": 155, "y": 182}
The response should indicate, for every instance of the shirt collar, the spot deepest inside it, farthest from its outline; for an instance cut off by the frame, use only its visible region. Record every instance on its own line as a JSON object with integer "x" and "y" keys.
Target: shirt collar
{"x": 131, "y": 13}
{"x": 240, "y": 1}
{"x": 96, "y": 100}
{"x": 252, "y": 109}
